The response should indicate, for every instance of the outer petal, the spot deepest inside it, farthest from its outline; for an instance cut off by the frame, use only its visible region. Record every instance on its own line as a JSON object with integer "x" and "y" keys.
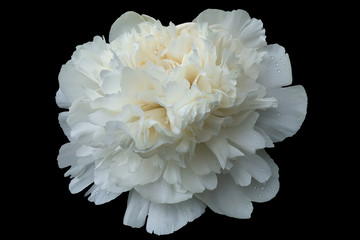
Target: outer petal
{"x": 275, "y": 68}
{"x": 72, "y": 82}
{"x": 167, "y": 218}
{"x": 100, "y": 196}
{"x": 84, "y": 179}
{"x": 67, "y": 155}
{"x": 61, "y": 100}
{"x": 262, "y": 192}
{"x": 64, "y": 125}
{"x": 285, "y": 120}
{"x": 238, "y": 22}
{"x": 126, "y": 22}
{"x": 136, "y": 211}
{"x": 162, "y": 192}
{"x": 227, "y": 199}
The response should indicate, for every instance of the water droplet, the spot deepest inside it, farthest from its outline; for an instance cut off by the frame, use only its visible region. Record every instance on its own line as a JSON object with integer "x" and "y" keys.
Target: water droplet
{"x": 259, "y": 195}
{"x": 184, "y": 212}
{"x": 96, "y": 193}
{"x": 255, "y": 188}
{"x": 298, "y": 118}
{"x": 107, "y": 194}
{"x": 281, "y": 59}
{"x": 278, "y": 71}
{"x": 272, "y": 57}
{"x": 278, "y": 114}
{"x": 277, "y": 64}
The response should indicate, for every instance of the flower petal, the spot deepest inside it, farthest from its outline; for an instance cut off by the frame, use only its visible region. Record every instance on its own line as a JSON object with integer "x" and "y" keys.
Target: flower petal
{"x": 84, "y": 179}
{"x": 136, "y": 211}
{"x": 100, "y": 196}
{"x": 275, "y": 68}
{"x": 61, "y": 100}
{"x": 72, "y": 83}
{"x": 262, "y": 192}
{"x": 227, "y": 199}
{"x": 162, "y": 192}
{"x": 238, "y": 23}
{"x": 204, "y": 161}
{"x": 67, "y": 154}
{"x": 126, "y": 22}
{"x": 244, "y": 136}
{"x": 167, "y": 218}
{"x": 255, "y": 166}
{"x": 63, "y": 124}
{"x": 285, "y": 120}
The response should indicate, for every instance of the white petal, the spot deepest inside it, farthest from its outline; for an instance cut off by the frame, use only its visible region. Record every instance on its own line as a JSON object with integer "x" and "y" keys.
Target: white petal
{"x": 211, "y": 16}
{"x": 220, "y": 147}
{"x": 204, "y": 161}
{"x": 167, "y": 218}
{"x": 227, "y": 199}
{"x": 238, "y": 23}
{"x": 162, "y": 192}
{"x": 67, "y": 155}
{"x": 111, "y": 81}
{"x": 61, "y": 100}
{"x": 72, "y": 83}
{"x": 285, "y": 120}
{"x": 83, "y": 180}
{"x": 125, "y": 23}
{"x": 262, "y": 192}
{"x": 136, "y": 211}
{"x": 63, "y": 124}
{"x": 172, "y": 173}
{"x": 100, "y": 196}
{"x": 275, "y": 68}
{"x": 255, "y": 166}
{"x": 243, "y": 136}
{"x": 196, "y": 183}
{"x": 240, "y": 175}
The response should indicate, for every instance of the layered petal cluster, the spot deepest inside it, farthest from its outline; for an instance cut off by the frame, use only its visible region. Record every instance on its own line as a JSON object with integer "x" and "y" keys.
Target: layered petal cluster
{"x": 179, "y": 116}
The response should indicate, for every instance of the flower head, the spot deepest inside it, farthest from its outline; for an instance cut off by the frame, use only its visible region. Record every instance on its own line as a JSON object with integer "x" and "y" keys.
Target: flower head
{"x": 179, "y": 116}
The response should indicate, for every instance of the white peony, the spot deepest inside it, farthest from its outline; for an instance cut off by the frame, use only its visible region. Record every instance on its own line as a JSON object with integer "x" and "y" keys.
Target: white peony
{"x": 179, "y": 116}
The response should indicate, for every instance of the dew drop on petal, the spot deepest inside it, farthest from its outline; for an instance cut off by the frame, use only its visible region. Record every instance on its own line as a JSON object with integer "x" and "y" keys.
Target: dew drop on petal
{"x": 278, "y": 71}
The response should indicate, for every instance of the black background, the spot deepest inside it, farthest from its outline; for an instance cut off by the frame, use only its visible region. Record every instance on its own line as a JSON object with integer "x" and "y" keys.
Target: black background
{"x": 48, "y": 35}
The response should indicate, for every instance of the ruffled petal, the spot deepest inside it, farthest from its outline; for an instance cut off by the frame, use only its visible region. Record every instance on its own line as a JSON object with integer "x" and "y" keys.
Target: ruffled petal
{"x": 285, "y": 120}
{"x": 126, "y": 22}
{"x": 238, "y": 23}
{"x": 167, "y": 218}
{"x": 262, "y": 192}
{"x": 136, "y": 211}
{"x": 275, "y": 68}
{"x": 227, "y": 199}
